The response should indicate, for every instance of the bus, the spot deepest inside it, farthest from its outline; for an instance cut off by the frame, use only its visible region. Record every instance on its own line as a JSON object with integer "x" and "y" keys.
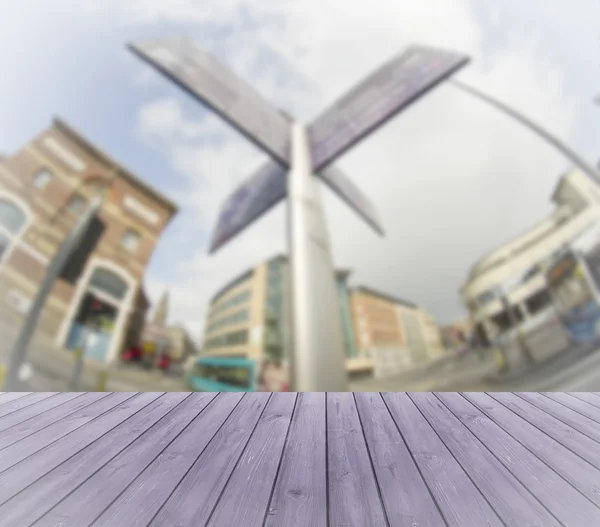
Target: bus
{"x": 573, "y": 280}
{"x": 236, "y": 374}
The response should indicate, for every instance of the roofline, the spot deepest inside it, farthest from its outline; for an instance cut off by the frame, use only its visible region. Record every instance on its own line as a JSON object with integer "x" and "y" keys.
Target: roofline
{"x": 233, "y": 282}
{"x": 87, "y": 145}
{"x": 385, "y": 296}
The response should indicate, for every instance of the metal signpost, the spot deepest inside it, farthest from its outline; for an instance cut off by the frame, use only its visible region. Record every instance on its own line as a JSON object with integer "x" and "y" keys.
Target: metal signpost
{"x": 317, "y": 355}
{"x": 19, "y": 352}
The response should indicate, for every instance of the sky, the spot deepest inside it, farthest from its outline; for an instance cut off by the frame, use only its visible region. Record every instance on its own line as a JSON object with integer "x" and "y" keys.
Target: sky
{"x": 451, "y": 177}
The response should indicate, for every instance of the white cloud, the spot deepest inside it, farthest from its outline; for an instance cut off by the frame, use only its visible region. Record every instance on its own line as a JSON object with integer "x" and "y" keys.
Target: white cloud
{"x": 452, "y": 178}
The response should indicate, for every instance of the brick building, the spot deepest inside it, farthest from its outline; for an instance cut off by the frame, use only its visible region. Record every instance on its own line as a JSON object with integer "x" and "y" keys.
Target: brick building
{"x": 44, "y": 188}
{"x": 394, "y": 333}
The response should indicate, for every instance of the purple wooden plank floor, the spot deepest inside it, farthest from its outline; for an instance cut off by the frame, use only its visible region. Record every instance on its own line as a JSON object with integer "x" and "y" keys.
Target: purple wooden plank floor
{"x": 286, "y": 459}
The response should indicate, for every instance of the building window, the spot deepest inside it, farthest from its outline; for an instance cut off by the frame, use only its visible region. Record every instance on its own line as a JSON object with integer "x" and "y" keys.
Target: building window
{"x": 42, "y": 178}
{"x": 109, "y": 283}
{"x": 76, "y": 204}
{"x": 235, "y": 338}
{"x": 131, "y": 240}
{"x": 538, "y": 302}
{"x": 12, "y": 222}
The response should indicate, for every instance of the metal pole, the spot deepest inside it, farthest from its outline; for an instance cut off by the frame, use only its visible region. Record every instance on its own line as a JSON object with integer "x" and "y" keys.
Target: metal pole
{"x": 19, "y": 352}
{"x": 567, "y": 151}
{"x": 318, "y": 361}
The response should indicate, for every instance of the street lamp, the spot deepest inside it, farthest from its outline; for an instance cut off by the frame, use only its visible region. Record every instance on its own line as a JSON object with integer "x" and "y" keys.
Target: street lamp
{"x": 544, "y": 134}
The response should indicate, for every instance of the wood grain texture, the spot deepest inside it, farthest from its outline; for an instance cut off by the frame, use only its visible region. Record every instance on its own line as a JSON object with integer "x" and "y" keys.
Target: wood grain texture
{"x": 49, "y": 417}
{"x": 405, "y": 495}
{"x": 23, "y": 474}
{"x": 354, "y": 498}
{"x": 296, "y": 460}
{"x": 570, "y": 466}
{"x": 565, "y": 502}
{"x": 572, "y": 411}
{"x": 143, "y": 499}
{"x": 22, "y": 449}
{"x": 246, "y": 497}
{"x": 590, "y": 398}
{"x": 510, "y": 499}
{"x": 88, "y": 501}
{"x": 6, "y": 397}
{"x": 38, "y": 498}
{"x": 459, "y": 499}
{"x": 34, "y": 410}
{"x": 300, "y": 494}
{"x": 196, "y": 495}
{"x": 9, "y": 408}
{"x": 582, "y": 445}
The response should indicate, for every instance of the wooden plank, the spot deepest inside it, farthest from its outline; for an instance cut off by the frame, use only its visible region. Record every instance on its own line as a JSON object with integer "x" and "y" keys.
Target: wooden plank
{"x": 35, "y": 410}
{"x": 580, "y": 406}
{"x": 17, "y": 433}
{"x": 198, "y": 492}
{"x": 575, "y": 470}
{"x": 563, "y": 500}
{"x": 354, "y": 498}
{"x": 246, "y": 496}
{"x": 6, "y": 397}
{"x": 37, "y": 499}
{"x": 510, "y": 499}
{"x": 576, "y": 442}
{"x": 88, "y": 501}
{"x": 142, "y": 500}
{"x": 23, "y": 402}
{"x": 405, "y": 495}
{"x": 564, "y": 407}
{"x": 43, "y": 461}
{"x": 590, "y": 398}
{"x": 26, "y": 447}
{"x": 300, "y": 494}
{"x": 459, "y": 499}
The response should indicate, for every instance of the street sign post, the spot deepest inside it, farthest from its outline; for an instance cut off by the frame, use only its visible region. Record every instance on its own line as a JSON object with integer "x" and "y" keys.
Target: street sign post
{"x": 267, "y": 187}
{"x": 317, "y": 358}
{"x": 205, "y": 78}
{"x": 249, "y": 201}
{"x": 384, "y": 93}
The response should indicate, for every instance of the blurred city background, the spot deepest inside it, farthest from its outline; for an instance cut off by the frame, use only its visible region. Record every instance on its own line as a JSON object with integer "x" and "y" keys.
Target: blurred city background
{"x": 488, "y": 277}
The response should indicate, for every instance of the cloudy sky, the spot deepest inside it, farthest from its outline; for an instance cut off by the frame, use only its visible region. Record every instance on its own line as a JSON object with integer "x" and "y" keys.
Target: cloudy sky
{"x": 452, "y": 178}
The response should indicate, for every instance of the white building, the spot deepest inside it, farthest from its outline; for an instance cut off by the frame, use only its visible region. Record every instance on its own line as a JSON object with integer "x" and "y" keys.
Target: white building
{"x": 517, "y": 265}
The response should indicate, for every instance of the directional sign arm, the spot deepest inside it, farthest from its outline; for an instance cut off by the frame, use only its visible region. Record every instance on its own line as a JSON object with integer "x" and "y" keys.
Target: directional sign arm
{"x": 391, "y": 88}
{"x": 343, "y": 186}
{"x": 267, "y": 187}
{"x": 203, "y": 77}
{"x": 259, "y": 193}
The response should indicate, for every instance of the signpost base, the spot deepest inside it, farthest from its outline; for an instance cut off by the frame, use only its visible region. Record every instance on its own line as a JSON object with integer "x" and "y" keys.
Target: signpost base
{"x": 317, "y": 356}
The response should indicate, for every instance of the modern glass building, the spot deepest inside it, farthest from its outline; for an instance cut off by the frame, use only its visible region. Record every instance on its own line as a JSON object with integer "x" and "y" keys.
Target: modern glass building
{"x": 250, "y": 316}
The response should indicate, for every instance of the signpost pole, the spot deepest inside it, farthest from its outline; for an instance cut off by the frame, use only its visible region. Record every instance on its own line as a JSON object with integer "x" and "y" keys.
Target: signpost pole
{"x": 19, "y": 352}
{"x": 317, "y": 354}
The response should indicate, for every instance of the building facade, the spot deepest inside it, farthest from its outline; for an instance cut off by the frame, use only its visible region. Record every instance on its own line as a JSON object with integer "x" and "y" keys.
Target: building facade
{"x": 249, "y": 317}
{"x": 507, "y": 287}
{"x": 44, "y": 188}
{"x": 392, "y": 334}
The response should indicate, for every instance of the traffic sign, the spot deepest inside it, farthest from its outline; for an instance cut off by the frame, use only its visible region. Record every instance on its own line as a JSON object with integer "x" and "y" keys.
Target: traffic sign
{"x": 258, "y": 194}
{"x": 391, "y": 88}
{"x": 268, "y": 186}
{"x": 352, "y": 195}
{"x": 205, "y": 78}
